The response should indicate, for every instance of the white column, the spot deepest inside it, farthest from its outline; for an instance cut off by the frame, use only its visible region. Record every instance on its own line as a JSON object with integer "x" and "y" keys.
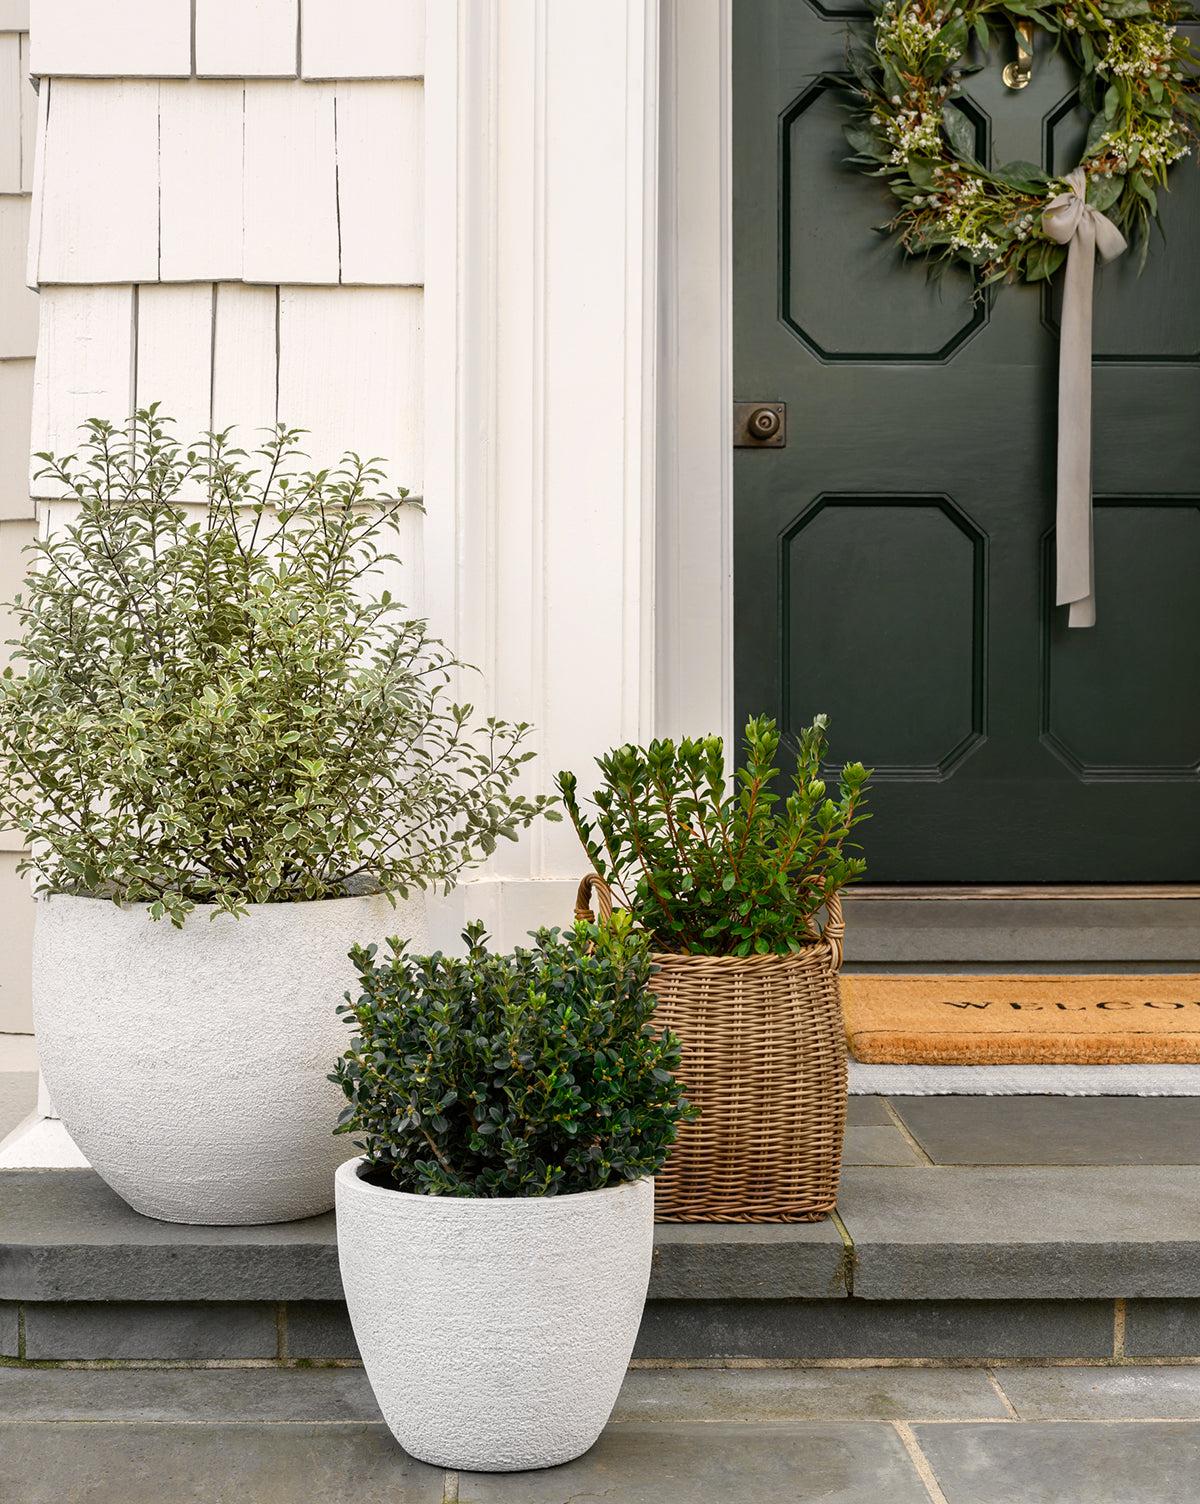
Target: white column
{"x": 540, "y": 401}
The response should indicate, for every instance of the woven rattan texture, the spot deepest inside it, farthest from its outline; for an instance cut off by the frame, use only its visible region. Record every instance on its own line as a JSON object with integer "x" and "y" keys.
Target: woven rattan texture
{"x": 764, "y": 1057}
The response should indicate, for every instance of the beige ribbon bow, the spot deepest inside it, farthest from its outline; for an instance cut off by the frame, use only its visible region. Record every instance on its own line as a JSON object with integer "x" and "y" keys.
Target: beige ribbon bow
{"x": 1072, "y": 221}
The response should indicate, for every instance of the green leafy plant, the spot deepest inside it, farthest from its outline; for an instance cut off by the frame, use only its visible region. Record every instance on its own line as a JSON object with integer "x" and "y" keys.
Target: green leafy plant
{"x": 211, "y": 706}
{"x": 528, "y": 1074}
{"x": 717, "y": 868}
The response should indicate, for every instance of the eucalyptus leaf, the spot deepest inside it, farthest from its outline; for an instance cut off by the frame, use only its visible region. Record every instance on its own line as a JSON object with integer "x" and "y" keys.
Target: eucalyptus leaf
{"x": 1024, "y": 175}
{"x": 865, "y": 141}
{"x": 1097, "y": 129}
{"x": 1142, "y": 186}
{"x": 1103, "y": 193}
{"x": 959, "y": 130}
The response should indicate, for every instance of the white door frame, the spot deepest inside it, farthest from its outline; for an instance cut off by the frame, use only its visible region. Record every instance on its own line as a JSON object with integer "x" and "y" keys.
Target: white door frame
{"x": 578, "y": 467}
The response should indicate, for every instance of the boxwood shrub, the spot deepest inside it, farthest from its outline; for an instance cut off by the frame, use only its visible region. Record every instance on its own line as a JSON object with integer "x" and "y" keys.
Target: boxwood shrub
{"x": 528, "y": 1074}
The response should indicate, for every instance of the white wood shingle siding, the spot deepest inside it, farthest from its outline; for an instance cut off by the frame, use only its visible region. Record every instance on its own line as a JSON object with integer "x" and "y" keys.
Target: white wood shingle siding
{"x": 349, "y": 364}
{"x": 366, "y": 39}
{"x": 264, "y": 182}
{"x": 115, "y": 39}
{"x": 99, "y": 193}
{"x": 18, "y": 342}
{"x": 10, "y": 112}
{"x": 199, "y": 180}
{"x": 289, "y": 195}
{"x": 85, "y": 368}
{"x": 18, "y": 306}
{"x": 321, "y": 39}
{"x": 211, "y": 356}
{"x": 16, "y": 403}
{"x": 244, "y": 365}
{"x": 381, "y": 209}
{"x": 247, "y": 38}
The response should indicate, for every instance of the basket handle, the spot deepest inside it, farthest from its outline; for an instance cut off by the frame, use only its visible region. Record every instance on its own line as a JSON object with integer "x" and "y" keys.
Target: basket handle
{"x": 593, "y": 883}
{"x": 835, "y": 928}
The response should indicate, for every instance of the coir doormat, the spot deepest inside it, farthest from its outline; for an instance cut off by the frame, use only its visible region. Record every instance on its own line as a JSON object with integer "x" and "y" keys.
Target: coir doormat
{"x": 1023, "y": 1020}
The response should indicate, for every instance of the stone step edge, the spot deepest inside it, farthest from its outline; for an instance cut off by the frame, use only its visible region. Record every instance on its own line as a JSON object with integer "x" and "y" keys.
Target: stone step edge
{"x": 299, "y": 1333}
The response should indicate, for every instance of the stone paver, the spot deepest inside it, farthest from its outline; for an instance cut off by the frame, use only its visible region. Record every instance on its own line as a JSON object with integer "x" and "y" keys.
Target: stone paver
{"x": 1054, "y": 1130}
{"x": 1084, "y": 1435}
{"x": 867, "y": 1112}
{"x": 1065, "y": 1462}
{"x": 263, "y": 1395}
{"x": 1166, "y": 1393}
{"x": 878, "y": 1146}
{"x": 720, "y": 1463}
{"x": 1024, "y": 1232}
{"x": 755, "y": 1394}
{"x": 145, "y": 1463}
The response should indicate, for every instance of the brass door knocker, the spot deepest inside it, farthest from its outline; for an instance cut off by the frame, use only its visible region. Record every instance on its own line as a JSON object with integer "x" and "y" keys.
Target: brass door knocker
{"x": 1017, "y": 75}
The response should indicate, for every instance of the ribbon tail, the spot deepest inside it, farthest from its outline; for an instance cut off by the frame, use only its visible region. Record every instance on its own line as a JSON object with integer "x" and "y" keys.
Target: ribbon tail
{"x": 1073, "y": 517}
{"x": 1082, "y": 613}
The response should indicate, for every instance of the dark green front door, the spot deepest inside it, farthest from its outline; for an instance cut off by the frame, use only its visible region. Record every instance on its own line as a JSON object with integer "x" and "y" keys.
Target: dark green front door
{"x": 894, "y": 563}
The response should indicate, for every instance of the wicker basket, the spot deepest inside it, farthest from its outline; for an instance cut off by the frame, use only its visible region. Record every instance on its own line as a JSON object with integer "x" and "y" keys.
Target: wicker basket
{"x": 764, "y": 1057}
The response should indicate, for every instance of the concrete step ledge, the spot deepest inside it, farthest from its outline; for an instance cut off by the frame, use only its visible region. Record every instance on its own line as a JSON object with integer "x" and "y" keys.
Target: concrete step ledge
{"x": 922, "y": 1263}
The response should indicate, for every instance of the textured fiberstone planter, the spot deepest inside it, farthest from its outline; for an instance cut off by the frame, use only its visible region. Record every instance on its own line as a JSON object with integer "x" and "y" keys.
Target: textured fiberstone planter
{"x": 190, "y": 1065}
{"x": 495, "y": 1332}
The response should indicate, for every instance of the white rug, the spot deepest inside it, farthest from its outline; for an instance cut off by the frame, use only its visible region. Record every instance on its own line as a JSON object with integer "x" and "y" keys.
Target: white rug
{"x": 1024, "y": 1080}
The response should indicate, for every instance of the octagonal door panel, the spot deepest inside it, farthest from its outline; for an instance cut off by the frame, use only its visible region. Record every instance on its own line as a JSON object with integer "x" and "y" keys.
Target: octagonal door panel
{"x": 891, "y": 562}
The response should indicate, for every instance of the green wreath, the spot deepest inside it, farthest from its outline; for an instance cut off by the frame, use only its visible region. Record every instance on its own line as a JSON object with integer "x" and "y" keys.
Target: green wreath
{"x": 1138, "y": 80}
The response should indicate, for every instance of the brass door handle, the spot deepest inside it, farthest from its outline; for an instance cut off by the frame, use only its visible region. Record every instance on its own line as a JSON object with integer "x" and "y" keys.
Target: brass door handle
{"x": 1017, "y": 75}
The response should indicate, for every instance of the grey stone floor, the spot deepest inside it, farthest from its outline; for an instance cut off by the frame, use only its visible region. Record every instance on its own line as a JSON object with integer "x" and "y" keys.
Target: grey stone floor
{"x": 1071, "y": 1435}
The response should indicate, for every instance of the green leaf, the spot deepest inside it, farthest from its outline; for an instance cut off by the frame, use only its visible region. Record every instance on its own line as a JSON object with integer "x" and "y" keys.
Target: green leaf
{"x": 1026, "y": 175}
{"x": 1142, "y": 186}
{"x": 1097, "y": 130}
{"x": 867, "y": 142}
{"x": 959, "y": 131}
{"x": 1103, "y": 193}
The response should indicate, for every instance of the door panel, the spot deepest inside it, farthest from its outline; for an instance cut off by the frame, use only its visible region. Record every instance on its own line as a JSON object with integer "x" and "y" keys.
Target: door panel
{"x": 922, "y": 571}
{"x": 891, "y": 563}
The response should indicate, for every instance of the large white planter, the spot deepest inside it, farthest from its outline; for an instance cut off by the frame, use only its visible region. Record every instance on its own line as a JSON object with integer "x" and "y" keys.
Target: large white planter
{"x": 190, "y": 1065}
{"x": 495, "y": 1332}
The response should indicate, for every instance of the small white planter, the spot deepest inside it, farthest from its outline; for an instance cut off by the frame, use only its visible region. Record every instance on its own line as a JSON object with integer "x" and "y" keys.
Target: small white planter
{"x": 190, "y": 1065}
{"x": 495, "y": 1332}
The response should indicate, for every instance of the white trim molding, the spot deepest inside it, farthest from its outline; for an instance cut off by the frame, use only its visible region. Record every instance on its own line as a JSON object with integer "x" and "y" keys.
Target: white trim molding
{"x": 541, "y": 375}
{"x": 695, "y": 389}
